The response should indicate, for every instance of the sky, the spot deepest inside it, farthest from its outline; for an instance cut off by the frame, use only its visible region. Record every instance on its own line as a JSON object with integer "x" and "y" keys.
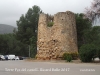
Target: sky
{"x": 11, "y": 10}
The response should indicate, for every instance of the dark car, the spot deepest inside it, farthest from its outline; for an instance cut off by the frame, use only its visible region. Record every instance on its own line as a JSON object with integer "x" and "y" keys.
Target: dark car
{"x": 6, "y": 57}
{"x": 20, "y": 57}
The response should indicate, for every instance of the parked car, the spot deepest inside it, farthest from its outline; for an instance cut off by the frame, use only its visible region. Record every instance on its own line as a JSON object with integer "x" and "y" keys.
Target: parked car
{"x": 25, "y": 57}
{"x": 11, "y": 57}
{"x": 6, "y": 57}
{"x": 16, "y": 58}
{"x": 20, "y": 58}
{"x": 2, "y": 57}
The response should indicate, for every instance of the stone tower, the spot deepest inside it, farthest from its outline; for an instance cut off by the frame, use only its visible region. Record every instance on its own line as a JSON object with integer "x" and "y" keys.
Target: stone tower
{"x": 58, "y": 39}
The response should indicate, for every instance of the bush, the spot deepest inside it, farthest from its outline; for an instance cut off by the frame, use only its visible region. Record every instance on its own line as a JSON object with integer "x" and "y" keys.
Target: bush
{"x": 50, "y": 24}
{"x": 74, "y": 55}
{"x": 87, "y": 52}
{"x": 64, "y": 56}
{"x": 67, "y": 56}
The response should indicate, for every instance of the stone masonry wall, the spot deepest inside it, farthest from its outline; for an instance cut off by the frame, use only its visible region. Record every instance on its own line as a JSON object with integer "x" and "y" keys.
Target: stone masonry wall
{"x": 58, "y": 39}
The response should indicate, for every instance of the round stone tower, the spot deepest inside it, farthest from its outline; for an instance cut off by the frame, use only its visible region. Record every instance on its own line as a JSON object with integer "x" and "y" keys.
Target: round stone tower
{"x": 58, "y": 39}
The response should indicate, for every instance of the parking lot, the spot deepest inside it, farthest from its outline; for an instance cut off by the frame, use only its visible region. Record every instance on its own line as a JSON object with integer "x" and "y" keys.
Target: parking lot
{"x": 22, "y": 67}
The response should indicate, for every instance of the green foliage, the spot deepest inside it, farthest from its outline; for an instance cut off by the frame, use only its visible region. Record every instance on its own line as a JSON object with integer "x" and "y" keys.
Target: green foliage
{"x": 98, "y": 52}
{"x": 27, "y": 25}
{"x": 74, "y": 55}
{"x": 50, "y": 24}
{"x": 33, "y": 46}
{"x": 9, "y": 45}
{"x": 27, "y": 28}
{"x": 95, "y": 35}
{"x": 92, "y": 47}
{"x": 67, "y": 57}
{"x": 64, "y": 56}
{"x": 95, "y": 39}
{"x": 87, "y": 52}
{"x": 83, "y": 26}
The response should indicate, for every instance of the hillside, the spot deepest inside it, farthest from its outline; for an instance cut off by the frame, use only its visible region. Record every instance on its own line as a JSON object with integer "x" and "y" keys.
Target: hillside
{"x": 6, "y": 28}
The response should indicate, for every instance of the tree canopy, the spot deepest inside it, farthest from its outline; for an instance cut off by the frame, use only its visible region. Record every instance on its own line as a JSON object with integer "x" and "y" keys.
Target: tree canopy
{"x": 27, "y": 24}
{"x": 9, "y": 45}
{"x": 83, "y": 25}
{"x": 27, "y": 28}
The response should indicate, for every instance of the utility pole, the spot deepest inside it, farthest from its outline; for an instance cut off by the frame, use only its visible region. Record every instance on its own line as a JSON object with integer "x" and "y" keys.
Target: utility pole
{"x": 29, "y": 51}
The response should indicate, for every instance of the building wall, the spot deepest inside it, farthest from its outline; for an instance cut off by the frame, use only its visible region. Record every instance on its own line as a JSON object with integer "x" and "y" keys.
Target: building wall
{"x": 58, "y": 39}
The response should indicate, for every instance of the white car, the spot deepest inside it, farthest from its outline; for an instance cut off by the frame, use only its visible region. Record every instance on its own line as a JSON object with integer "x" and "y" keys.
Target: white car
{"x": 11, "y": 57}
{"x": 16, "y": 58}
{"x": 2, "y": 57}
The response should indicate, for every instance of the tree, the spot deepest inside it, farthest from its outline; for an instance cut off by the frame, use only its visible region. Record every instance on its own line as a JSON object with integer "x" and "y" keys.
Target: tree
{"x": 93, "y": 13}
{"x": 87, "y": 52}
{"x": 92, "y": 47}
{"x": 83, "y": 26}
{"x": 9, "y": 45}
{"x": 93, "y": 35}
{"x": 27, "y": 25}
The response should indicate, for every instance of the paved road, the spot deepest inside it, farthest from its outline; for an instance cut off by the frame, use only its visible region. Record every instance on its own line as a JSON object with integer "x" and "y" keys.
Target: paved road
{"x": 47, "y": 68}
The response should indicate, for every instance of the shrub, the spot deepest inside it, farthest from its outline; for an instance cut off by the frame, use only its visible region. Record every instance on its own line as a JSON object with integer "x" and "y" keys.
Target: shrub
{"x": 64, "y": 56}
{"x": 67, "y": 56}
{"x": 50, "y": 24}
{"x": 87, "y": 52}
{"x": 74, "y": 55}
